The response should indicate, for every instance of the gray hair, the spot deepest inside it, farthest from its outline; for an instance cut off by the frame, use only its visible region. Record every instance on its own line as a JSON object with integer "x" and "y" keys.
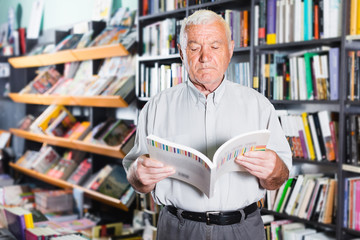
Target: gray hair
{"x": 197, "y": 18}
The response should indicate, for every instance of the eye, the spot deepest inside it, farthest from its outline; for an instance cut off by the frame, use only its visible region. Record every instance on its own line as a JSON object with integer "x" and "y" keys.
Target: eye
{"x": 194, "y": 49}
{"x": 215, "y": 47}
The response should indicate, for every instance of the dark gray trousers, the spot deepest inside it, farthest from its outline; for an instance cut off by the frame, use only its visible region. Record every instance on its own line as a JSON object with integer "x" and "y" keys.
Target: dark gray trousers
{"x": 172, "y": 227}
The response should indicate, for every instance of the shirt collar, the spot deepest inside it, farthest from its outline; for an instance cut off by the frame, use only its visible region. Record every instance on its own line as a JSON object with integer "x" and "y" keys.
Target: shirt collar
{"x": 198, "y": 96}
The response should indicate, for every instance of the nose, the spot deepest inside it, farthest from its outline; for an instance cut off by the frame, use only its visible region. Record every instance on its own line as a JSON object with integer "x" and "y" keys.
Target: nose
{"x": 205, "y": 54}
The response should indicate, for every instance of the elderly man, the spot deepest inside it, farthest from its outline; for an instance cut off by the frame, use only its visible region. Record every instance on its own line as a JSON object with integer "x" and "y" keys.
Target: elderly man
{"x": 203, "y": 113}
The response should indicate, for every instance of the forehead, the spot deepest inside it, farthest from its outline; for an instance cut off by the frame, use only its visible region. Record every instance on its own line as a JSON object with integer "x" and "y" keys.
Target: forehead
{"x": 206, "y": 32}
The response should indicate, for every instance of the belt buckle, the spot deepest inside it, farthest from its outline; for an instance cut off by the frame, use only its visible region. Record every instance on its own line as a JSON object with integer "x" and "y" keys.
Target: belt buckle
{"x": 208, "y": 216}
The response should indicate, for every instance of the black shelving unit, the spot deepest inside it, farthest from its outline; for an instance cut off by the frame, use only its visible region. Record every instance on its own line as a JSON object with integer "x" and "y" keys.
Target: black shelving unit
{"x": 341, "y": 106}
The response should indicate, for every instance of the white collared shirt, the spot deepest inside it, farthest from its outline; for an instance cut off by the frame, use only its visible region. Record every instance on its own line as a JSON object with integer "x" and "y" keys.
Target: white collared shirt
{"x": 182, "y": 114}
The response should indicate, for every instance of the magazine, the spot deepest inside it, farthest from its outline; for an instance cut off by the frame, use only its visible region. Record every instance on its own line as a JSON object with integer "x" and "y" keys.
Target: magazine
{"x": 198, "y": 170}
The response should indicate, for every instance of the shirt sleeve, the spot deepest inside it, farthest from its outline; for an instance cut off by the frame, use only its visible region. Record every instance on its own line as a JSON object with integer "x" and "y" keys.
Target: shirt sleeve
{"x": 277, "y": 141}
{"x": 139, "y": 147}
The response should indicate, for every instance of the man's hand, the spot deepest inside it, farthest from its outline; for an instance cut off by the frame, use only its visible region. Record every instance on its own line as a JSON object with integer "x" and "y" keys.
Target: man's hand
{"x": 145, "y": 172}
{"x": 266, "y": 166}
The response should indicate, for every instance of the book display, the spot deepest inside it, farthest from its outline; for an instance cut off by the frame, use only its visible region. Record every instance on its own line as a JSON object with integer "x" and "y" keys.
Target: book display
{"x": 84, "y": 80}
{"x": 303, "y": 56}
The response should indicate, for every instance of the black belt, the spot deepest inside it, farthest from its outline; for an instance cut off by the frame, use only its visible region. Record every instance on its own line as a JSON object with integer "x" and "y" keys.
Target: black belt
{"x": 215, "y": 217}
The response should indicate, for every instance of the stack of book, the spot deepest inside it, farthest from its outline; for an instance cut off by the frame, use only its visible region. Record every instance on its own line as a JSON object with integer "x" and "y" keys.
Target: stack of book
{"x": 283, "y": 21}
{"x": 312, "y": 136}
{"x": 309, "y": 196}
{"x": 17, "y": 219}
{"x": 54, "y": 201}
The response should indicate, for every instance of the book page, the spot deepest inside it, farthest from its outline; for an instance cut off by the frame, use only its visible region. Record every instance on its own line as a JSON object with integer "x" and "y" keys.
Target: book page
{"x": 191, "y": 166}
{"x": 226, "y": 154}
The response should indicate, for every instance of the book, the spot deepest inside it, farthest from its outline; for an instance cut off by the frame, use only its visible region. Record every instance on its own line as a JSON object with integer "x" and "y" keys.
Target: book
{"x": 118, "y": 133}
{"x": 46, "y": 158}
{"x": 324, "y": 119}
{"x": 334, "y": 60}
{"x": 195, "y": 168}
{"x": 115, "y": 184}
{"x": 81, "y": 173}
{"x": 99, "y": 178}
{"x": 16, "y": 222}
{"x": 309, "y": 139}
{"x": 107, "y": 230}
{"x": 61, "y": 124}
{"x": 271, "y": 22}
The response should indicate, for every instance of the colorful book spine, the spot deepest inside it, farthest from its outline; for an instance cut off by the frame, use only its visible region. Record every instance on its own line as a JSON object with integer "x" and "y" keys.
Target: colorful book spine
{"x": 334, "y": 72}
{"x": 271, "y": 22}
{"x": 262, "y": 22}
{"x": 308, "y": 20}
{"x": 309, "y": 141}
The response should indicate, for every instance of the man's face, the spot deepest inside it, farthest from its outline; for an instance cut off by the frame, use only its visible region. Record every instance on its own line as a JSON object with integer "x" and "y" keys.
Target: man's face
{"x": 207, "y": 54}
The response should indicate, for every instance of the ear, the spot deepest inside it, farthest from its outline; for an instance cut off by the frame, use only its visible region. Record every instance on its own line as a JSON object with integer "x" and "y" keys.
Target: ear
{"x": 181, "y": 53}
{"x": 231, "y": 48}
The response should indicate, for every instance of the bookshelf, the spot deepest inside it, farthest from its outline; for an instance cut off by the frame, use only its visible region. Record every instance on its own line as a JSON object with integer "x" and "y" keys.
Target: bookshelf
{"x": 342, "y": 105}
{"x": 94, "y": 109}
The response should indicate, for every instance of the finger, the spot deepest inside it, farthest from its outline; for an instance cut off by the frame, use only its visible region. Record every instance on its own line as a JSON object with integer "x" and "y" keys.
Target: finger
{"x": 257, "y": 154}
{"x": 150, "y": 162}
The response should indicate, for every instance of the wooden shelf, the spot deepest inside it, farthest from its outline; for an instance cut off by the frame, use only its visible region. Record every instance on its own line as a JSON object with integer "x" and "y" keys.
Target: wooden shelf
{"x": 65, "y": 56}
{"x": 63, "y": 184}
{"x": 93, "y": 101}
{"x": 115, "y": 152}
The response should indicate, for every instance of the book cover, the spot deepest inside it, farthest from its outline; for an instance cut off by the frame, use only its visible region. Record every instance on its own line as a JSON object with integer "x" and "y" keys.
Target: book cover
{"x": 195, "y": 168}
{"x": 115, "y": 184}
{"x": 99, "y": 178}
{"x": 118, "y": 133}
{"x": 81, "y": 173}
{"x": 62, "y": 124}
{"x": 81, "y": 131}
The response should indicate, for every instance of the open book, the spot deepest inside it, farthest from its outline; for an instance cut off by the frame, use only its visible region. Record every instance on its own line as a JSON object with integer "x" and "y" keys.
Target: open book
{"x": 198, "y": 170}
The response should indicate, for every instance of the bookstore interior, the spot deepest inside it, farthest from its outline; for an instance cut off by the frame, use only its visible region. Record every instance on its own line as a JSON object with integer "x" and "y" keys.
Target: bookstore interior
{"x": 73, "y": 81}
